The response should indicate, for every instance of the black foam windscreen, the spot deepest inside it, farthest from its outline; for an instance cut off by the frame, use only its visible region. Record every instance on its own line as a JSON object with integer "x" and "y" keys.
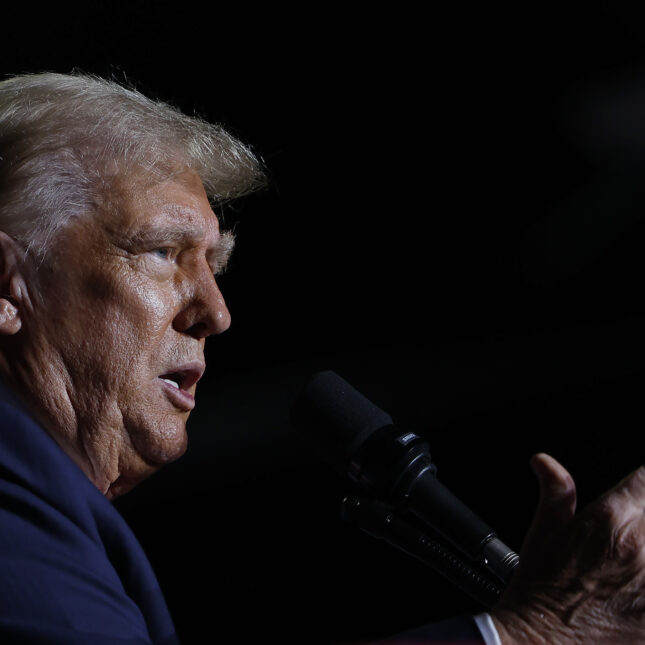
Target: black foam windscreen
{"x": 337, "y": 417}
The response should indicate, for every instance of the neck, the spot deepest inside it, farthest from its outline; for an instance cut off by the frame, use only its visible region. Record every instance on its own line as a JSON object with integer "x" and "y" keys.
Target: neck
{"x": 44, "y": 388}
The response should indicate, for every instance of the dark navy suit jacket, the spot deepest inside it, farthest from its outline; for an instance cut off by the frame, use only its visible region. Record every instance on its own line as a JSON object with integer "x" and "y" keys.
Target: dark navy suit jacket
{"x": 71, "y": 571}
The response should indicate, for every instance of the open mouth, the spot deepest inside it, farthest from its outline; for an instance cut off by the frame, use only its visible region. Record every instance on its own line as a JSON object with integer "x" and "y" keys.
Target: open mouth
{"x": 179, "y": 381}
{"x": 184, "y": 376}
{"x": 175, "y": 379}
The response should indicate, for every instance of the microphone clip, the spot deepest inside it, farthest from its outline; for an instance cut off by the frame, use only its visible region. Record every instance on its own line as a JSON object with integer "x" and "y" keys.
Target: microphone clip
{"x": 383, "y": 521}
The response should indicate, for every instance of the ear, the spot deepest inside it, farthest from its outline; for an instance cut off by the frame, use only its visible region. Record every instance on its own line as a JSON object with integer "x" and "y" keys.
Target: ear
{"x": 13, "y": 294}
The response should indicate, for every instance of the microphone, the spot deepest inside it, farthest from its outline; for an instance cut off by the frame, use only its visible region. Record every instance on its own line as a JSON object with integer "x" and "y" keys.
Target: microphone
{"x": 362, "y": 442}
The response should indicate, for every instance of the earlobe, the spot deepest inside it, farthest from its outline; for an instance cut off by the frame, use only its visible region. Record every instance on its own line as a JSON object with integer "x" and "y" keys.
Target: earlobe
{"x": 10, "y": 322}
{"x": 12, "y": 292}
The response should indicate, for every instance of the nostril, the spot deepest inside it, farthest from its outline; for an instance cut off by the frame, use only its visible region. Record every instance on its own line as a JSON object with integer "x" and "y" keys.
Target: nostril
{"x": 199, "y": 330}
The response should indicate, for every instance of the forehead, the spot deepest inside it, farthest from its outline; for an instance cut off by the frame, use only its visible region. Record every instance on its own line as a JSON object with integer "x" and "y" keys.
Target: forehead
{"x": 140, "y": 205}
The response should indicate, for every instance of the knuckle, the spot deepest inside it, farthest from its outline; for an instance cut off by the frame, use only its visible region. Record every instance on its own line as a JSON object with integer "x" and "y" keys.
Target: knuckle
{"x": 626, "y": 543}
{"x": 609, "y": 528}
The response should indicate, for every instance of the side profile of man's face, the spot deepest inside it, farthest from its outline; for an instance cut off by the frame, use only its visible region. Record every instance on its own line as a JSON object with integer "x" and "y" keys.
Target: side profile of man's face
{"x": 127, "y": 298}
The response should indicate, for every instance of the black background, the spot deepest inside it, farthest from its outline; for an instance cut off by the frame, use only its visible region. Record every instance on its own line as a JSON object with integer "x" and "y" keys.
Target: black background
{"x": 454, "y": 224}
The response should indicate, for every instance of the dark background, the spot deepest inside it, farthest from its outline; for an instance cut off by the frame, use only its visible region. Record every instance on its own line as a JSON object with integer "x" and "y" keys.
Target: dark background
{"x": 454, "y": 224}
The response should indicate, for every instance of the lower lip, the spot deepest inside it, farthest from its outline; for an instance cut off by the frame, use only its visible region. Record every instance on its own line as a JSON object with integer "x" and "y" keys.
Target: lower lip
{"x": 179, "y": 398}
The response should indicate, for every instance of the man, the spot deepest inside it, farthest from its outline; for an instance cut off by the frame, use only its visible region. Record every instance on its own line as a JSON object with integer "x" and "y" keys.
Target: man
{"x": 109, "y": 250}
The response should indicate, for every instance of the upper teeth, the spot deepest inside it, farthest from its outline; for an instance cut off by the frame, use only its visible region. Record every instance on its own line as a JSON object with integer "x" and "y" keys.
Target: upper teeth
{"x": 173, "y": 383}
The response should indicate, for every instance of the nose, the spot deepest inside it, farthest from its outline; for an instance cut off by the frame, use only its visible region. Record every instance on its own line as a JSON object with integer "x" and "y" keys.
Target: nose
{"x": 205, "y": 312}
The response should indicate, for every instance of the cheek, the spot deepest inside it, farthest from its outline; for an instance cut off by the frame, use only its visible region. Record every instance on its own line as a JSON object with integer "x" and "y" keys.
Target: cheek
{"x": 108, "y": 322}
{"x": 131, "y": 305}
{"x": 149, "y": 308}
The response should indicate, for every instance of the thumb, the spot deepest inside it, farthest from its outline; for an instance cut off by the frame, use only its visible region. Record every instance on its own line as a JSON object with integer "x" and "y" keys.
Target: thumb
{"x": 557, "y": 503}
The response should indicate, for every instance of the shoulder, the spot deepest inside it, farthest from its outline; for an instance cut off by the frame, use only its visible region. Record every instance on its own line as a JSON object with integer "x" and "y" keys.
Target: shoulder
{"x": 66, "y": 555}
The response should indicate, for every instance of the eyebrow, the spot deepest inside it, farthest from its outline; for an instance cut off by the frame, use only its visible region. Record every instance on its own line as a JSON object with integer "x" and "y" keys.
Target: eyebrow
{"x": 221, "y": 253}
{"x": 217, "y": 256}
{"x": 169, "y": 235}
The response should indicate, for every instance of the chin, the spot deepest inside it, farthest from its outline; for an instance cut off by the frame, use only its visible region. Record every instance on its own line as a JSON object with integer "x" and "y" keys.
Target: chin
{"x": 161, "y": 441}
{"x": 158, "y": 455}
{"x": 152, "y": 446}
{"x": 137, "y": 472}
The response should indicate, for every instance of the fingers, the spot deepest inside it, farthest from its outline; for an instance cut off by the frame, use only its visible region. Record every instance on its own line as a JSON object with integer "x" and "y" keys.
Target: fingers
{"x": 557, "y": 490}
{"x": 557, "y": 504}
{"x": 591, "y": 566}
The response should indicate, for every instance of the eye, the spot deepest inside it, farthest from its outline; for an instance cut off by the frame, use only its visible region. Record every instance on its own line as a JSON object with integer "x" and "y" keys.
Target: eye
{"x": 163, "y": 252}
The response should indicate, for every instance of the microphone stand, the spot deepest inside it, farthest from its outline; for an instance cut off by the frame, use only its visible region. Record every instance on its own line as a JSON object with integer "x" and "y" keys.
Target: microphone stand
{"x": 383, "y": 521}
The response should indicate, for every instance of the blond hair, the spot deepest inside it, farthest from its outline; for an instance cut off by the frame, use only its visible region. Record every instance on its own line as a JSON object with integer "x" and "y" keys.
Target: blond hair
{"x": 62, "y": 137}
